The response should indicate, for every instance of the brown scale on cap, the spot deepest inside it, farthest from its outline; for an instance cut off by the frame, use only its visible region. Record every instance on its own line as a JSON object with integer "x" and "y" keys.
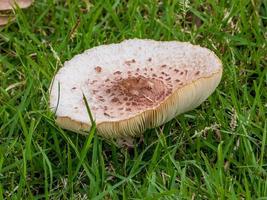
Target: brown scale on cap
{"x": 134, "y": 103}
{"x": 165, "y": 74}
{"x": 108, "y": 91}
{"x": 145, "y": 91}
{"x": 98, "y": 69}
{"x": 163, "y": 66}
{"x": 167, "y": 79}
{"x": 105, "y": 113}
{"x": 129, "y": 62}
{"x": 117, "y": 73}
{"x": 114, "y": 100}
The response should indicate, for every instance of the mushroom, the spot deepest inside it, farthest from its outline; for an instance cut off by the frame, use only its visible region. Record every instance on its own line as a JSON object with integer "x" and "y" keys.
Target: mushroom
{"x": 4, "y": 19}
{"x": 6, "y": 7}
{"x": 133, "y": 86}
{"x": 10, "y": 4}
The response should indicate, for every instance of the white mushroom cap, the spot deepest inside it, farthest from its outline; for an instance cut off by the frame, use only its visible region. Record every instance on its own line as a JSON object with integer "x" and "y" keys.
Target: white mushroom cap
{"x": 134, "y": 85}
{"x": 9, "y": 4}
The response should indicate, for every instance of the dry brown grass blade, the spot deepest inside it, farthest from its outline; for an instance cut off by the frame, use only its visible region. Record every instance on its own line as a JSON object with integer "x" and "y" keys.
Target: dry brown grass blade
{"x": 9, "y": 4}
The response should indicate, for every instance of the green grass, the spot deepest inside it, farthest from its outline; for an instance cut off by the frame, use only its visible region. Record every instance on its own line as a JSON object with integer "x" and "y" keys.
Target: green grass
{"x": 217, "y": 151}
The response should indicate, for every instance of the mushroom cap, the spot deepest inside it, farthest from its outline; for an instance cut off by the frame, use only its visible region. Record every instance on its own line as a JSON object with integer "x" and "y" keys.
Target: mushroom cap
{"x": 132, "y": 86}
{"x": 4, "y": 19}
{"x": 9, "y": 4}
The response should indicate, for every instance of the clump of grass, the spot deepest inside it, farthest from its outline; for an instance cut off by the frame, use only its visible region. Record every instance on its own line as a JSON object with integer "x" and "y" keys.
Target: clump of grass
{"x": 216, "y": 151}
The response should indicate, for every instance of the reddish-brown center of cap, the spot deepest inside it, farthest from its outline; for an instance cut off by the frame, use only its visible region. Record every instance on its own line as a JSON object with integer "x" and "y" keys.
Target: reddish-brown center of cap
{"x": 141, "y": 90}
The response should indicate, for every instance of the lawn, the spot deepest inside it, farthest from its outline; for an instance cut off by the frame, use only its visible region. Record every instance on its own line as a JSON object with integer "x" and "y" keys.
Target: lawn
{"x": 217, "y": 151}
